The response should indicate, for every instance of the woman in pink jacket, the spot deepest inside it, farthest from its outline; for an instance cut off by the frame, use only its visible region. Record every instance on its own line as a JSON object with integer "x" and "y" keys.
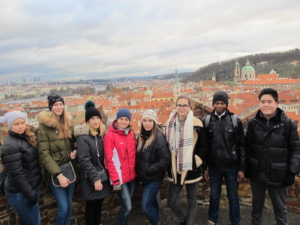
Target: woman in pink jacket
{"x": 120, "y": 154}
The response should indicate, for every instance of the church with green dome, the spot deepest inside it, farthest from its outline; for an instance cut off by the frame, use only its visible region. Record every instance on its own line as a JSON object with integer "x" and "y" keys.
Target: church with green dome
{"x": 246, "y": 73}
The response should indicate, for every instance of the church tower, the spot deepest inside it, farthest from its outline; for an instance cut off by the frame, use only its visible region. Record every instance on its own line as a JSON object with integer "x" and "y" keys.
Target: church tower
{"x": 213, "y": 76}
{"x": 176, "y": 88}
{"x": 237, "y": 73}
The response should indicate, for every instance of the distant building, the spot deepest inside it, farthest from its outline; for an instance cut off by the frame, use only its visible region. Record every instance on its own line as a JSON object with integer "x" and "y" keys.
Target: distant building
{"x": 176, "y": 87}
{"x": 246, "y": 73}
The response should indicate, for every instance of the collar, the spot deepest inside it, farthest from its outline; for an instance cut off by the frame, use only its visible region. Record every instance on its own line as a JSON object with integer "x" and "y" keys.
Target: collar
{"x": 221, "y": 114}
{"x": 262, "y": 115}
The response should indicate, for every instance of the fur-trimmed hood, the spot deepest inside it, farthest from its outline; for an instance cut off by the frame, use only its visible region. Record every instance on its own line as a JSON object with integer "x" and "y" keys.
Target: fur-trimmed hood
{"x": 82, "y": 129}
{"x": 49, "y": 120}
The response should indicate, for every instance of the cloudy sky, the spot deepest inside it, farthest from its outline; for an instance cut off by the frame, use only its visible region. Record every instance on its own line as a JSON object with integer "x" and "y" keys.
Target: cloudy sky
{"x": 72, "y": 39}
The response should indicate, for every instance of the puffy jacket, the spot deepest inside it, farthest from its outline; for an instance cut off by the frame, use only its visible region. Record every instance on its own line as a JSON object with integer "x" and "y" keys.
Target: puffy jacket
{"x": 120, "y": 154}
{"x": 226, "y": 145}
{"x": 54, "y": 151}
{"x": 21, "y": 165}
{"x": 151, "y": 163}
{"x": 200, "y": 154}
{"x": 269, "y": 154}
{"x": 89, "y": 163}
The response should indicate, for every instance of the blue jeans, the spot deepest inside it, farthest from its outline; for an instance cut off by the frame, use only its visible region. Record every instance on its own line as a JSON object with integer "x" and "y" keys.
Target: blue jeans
{"x": 125, "y": 198}
{"x": 19, "y": 202}
{"x": 63, "y": 198}
{"x": 216, "y": 180}
{"x": 149, "y": 201}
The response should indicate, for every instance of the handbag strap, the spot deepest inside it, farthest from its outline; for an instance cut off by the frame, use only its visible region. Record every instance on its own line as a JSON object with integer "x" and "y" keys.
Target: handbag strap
{"x": 98, "y": 154}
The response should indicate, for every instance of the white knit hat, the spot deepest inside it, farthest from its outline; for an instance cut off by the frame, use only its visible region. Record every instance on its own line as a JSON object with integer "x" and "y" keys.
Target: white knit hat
{"x": 150, "y": 114}
{"x": 10, "y": 117}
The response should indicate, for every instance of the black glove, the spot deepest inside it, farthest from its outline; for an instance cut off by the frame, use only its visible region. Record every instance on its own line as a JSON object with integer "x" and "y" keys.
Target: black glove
{"x": 32, "y": 202}
{"x": 289, "y": 179}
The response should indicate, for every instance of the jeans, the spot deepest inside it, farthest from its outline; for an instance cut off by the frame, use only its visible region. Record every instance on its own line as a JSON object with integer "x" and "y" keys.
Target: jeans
{"x": 215, "y": 180}
{"x": 278, "y": 198}
{"x": 125, "y": 198}
{"x": 19, "y": 202}
{"x": 191, "y": 193}
{"x": 63, "y": 198}
{"x": 149, "y": 201}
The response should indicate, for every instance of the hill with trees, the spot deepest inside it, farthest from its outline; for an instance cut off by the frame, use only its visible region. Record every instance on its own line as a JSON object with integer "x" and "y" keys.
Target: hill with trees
{"x": 263, "y": 63}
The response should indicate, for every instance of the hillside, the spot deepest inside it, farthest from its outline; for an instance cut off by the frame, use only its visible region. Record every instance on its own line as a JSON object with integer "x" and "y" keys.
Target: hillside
{"x": 279, "y": 61}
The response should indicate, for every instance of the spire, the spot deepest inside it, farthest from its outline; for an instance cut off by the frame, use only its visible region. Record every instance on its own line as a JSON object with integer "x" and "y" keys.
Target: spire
{"x": 237, "y": 64}
{"x": 176, "y": 78}
{"x": 248, "y": 63}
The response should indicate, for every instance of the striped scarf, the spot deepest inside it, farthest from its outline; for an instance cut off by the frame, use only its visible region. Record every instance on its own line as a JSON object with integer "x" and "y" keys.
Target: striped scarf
{"x": 180, "y": 140}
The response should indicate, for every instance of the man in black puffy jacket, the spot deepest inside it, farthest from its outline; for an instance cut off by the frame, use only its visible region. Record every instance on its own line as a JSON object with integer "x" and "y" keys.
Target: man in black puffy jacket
{"x": 273, "y": 156}
{"x": 226, "y": 157}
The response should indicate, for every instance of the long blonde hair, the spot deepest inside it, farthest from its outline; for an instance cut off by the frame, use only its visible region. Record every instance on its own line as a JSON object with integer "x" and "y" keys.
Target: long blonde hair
{"x": 150, "y": 139}
{"x": 99, "y": 131}
{"x": 62, "y": 125}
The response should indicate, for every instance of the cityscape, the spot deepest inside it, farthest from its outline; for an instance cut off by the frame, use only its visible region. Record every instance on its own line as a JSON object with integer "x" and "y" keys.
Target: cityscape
{"x": 157, "y": 94}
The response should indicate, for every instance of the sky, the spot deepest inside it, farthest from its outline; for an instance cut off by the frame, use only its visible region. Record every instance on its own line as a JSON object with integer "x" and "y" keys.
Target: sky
{"x": 101, "y": 39}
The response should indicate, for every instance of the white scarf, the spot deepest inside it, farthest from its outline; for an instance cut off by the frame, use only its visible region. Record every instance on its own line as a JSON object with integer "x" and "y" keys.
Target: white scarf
{"x": 180, "y": 140}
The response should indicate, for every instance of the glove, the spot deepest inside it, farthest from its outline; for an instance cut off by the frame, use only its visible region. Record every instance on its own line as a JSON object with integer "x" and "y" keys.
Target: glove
{"x": 289, "y": 179}
{"x": 32, "y": 202}
{"x": 117, "y": 187}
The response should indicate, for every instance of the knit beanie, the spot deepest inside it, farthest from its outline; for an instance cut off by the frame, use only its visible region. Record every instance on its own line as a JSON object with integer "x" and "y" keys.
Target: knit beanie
{"x": 10, "y": 117}
{"x": 220, "y": 96}
{"x": 52, "y": 98}
{"x": 123, "y": 113}
{"x": 91, "y": 110}
{"x": 150, "y": 114}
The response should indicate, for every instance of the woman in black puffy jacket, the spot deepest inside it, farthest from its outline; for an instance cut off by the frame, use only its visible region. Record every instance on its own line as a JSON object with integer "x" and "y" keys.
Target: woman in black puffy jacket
{"x": 20, "y": 158}
{"x": 153, "y": 157}
{"x": 93, "y": 188}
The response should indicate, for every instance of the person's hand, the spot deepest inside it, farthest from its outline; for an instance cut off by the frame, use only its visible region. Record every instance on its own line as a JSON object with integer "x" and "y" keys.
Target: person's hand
{"x": 206, "y": 175}
{"x": 117, "y": 187}
{"x": 240, "y": 176}
{"x": 73, "y": 154}
{"x": 289, "y": 179}
{"x": 98, "y": 185}
{"x": 32, "y": 202}
{"x": 63, "y": 181}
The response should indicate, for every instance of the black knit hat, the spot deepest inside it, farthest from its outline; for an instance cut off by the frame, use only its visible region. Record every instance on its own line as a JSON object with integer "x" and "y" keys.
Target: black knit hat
{"x": 91, "y": 110}
{"x": 220, "y": 96}
{"x": 54, "y": 97}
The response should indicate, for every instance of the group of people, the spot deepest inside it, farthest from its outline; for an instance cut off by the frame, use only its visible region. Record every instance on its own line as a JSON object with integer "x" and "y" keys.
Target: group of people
{"x": 115, "y": 160}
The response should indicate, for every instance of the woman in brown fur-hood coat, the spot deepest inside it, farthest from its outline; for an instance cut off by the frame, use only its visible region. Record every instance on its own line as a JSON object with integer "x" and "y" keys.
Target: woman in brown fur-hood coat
{"x": 56, "y": 146}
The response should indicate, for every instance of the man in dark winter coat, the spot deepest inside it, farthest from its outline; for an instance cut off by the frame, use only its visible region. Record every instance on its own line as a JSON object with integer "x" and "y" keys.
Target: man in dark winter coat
{"x": 226, "y": 157}
{"x": 273, "y": 156}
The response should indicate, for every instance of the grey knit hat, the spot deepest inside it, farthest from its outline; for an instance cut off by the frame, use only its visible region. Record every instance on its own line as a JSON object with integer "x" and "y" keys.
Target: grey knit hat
{"x": 150, "y": 114}
{"x": 10, "y": 117}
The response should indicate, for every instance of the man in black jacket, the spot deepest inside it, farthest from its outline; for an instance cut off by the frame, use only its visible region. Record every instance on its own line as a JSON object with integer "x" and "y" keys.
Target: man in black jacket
{"x": 226, "y": 157}
{"x": 273, "y": 156}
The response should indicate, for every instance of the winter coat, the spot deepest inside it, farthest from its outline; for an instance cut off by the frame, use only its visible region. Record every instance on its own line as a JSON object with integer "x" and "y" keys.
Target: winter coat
{"x": 89, "y": 163}
{"x": 21, "y": 165}
{"x": 120, "y": 154}
{"x": 53, "y": 144}
{"x": 200, "y": 154}
{"x": 152, "y": 162}
{"x": 270, "y": 156}
{"x": 226, "y": 145}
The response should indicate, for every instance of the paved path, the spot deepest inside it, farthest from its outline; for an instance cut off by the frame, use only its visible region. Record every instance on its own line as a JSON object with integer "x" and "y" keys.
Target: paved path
{"x": 137, "y": 217}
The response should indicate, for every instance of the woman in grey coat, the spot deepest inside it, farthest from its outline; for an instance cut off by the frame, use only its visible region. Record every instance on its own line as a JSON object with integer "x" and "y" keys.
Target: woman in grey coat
{"x": 91, "y": 159}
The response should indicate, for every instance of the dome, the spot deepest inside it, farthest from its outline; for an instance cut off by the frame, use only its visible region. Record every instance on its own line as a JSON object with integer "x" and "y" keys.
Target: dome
{"x": 247, "y": 68}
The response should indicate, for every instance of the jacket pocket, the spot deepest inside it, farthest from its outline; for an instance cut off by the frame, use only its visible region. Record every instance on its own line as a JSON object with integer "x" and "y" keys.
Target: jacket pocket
{"x": 278, "y": 172}
{"x": 252, "y": 168}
